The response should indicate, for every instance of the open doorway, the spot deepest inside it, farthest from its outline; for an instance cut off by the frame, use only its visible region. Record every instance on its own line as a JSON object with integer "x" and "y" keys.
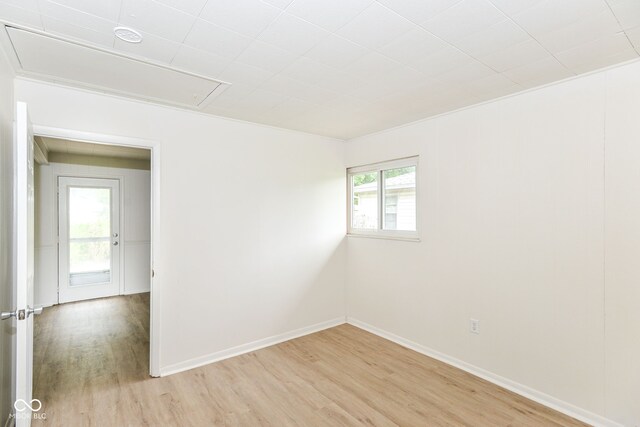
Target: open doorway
{"x": 93, "y": 265}
{"x": 93, "y": 221}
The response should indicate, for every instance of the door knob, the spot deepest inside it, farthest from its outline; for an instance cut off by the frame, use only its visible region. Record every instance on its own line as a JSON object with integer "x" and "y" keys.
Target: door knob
{"x": 20, "y": 314}
{"x": 35, "y": 311}
{"x": 8, "y": 314}
{"x": 115, "y": 243}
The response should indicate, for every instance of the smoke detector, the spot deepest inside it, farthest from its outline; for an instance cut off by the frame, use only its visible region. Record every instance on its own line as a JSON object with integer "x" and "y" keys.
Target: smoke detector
{"x": 127, "y": 34}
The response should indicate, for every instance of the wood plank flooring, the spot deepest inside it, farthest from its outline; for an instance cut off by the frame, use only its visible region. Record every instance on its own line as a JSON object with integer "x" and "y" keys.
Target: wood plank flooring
{"x": 91, "y": 369}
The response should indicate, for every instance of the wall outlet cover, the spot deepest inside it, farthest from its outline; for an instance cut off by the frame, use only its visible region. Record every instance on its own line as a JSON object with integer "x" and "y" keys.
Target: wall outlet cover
{"x": 474, "y": 326}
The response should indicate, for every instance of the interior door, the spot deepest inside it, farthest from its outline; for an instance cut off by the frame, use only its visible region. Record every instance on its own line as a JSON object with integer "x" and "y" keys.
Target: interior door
{"x": 89, "y": 224}
{"x": 24, "y": 222}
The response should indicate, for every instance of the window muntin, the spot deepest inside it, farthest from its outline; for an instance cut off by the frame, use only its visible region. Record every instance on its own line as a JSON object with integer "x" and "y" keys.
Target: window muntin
{"x": 382, "y": 199}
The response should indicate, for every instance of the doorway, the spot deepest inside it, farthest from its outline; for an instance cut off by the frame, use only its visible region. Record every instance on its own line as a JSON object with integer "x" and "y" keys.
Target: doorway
{"x": 28, "y": 154}
{"x": 131, "y": 240}
{"x": 88, "y": 238}
{"x": 93, "y": 267}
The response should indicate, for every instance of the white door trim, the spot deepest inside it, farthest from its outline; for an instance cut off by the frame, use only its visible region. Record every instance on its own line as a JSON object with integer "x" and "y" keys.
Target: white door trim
{"x": 156, "y": 279}
{"x": 65, "y": 173}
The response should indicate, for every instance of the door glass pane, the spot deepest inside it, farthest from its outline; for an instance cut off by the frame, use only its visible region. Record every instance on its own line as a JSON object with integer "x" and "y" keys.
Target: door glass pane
{"x": 89, "y": 235}
{"x": 400, "y": 198}
{"x": 89, "y": 212}
{"x": 90, "y": 262}
{"x": 364, "y": 190}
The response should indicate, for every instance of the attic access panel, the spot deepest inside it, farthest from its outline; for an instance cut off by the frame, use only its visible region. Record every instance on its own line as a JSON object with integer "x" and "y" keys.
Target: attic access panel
{"x": 67, "y": 62}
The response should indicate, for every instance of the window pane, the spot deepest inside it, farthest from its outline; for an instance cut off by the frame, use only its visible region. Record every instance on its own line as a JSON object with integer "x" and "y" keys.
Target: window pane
{"x": 89, "y": 212}
{"x": 400, "y": 199}
{"x": 89, "y": 256}
{"x": 364, "y": 190}
{"x": 89, "y": 235}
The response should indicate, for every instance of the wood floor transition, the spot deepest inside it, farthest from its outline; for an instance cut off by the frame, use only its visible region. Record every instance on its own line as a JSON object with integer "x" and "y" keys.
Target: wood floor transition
{"x": 91, "y": 369}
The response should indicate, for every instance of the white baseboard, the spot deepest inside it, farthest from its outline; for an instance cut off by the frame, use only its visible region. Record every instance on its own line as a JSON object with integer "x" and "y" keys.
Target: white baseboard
{"x": 529, "y": 393}
{"x": 136, "y": 291}
{"x": 248, "y": 347}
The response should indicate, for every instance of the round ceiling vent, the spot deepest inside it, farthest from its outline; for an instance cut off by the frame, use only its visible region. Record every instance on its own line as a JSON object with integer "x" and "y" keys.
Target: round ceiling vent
{"x": 127, "y": 34}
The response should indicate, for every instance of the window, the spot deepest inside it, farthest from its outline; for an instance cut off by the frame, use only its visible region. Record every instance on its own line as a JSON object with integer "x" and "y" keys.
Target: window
{"x": 89, "y": 235}
{"x": 383, "y": 199}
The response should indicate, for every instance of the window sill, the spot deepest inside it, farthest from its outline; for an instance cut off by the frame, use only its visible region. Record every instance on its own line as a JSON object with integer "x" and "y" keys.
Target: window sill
{"x": 385, "y": 237}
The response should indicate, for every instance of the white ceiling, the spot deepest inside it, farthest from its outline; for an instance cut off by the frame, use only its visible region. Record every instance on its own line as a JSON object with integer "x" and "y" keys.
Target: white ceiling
{"x": 65, "y": 146}
{"x": 345, "y": 68}
{"x": 43, "y": 56}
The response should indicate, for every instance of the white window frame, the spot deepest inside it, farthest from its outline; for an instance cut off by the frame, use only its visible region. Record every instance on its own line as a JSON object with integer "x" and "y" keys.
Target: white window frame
{"x": 379, "y": 232}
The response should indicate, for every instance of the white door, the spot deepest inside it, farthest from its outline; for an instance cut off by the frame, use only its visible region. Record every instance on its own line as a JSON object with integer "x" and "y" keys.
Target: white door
{"x": 89, "y": 227}
{"x": 24, "y": 406}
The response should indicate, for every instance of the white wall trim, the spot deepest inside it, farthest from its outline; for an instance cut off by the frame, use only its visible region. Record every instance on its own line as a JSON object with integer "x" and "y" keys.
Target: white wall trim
{"x": 529, "y": 393}
{"x": 135, "y": 292}
{"x": 154, "y": 146}
{"x": 249, "y": 347}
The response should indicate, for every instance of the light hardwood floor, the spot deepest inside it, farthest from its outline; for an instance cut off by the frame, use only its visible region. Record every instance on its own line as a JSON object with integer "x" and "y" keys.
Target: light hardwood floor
{"x": 91, "y": 369}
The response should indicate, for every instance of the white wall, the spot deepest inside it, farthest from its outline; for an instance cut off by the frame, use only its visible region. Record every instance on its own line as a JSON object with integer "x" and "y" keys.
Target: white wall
{"x": 622, "y": 245}
{"x": 515, "y": 220}
{"x": 135, "y": 191}
{"x": 252, "y": 219}
{"x": 6, "y": 229}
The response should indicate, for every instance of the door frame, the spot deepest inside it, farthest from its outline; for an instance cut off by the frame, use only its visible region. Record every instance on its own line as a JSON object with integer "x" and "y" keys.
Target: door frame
{"x": 155, "y": 282}
{"x": 57, "y": 174}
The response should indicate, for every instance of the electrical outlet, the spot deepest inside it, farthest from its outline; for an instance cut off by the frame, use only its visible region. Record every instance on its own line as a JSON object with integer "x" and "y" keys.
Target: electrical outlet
{"x": 474, "y": 326}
